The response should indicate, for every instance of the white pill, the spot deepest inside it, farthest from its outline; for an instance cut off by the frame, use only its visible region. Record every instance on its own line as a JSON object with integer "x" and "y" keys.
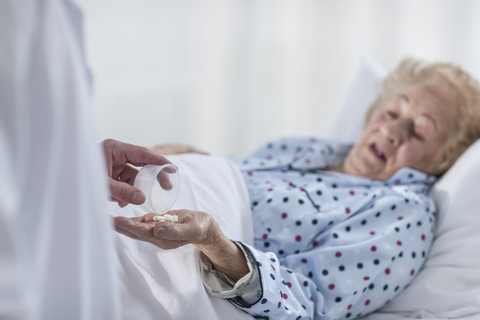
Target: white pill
{"x": 159, "y": 219}
{"x": 166, "y": 217}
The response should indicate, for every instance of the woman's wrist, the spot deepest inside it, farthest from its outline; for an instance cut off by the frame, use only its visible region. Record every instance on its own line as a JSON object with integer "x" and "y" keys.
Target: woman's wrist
{"x": 224, "y": 254}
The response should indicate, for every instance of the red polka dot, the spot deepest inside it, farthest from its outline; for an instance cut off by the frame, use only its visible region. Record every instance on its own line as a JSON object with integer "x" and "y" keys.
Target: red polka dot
{"x": 349, "y": 307}
{"x": 289, "y": 284}
{"x": 347, "y": 210}
{"x": 373, "y": 248}
{"x": 298, "y": 238}
{"x": 279, "y": 304}
{"x": 311, "y": 298}
{"x": 423, "y": 237}
{"x": 367, "y": 302}
{"x": 284, "y": 296}
{"x": 399, "y": 243}
{"x": 284, "y": 215}
{"x": 250, "y": 173}
{"x": 372, "y": 233}
{"x": 397, "y": 181}
{"x": 400, "y": 218}
{"x": 307, "y": 161}
{"x": 387, "y": 271}
{"x": 270, "y": 189}
{"x": 338, "y": 254}
{"x": 366, "y": 278}
{"x": 304, "y": 260}
{"x": 265, "y": 236}
{"x": 352, "y": 192}
{"x": 387, "y": 302}
{"x": 314, "y": 243}
{"x": 412, "y": 272}
{"x": 331, "y": 286}
{"x": 273, "y": 267}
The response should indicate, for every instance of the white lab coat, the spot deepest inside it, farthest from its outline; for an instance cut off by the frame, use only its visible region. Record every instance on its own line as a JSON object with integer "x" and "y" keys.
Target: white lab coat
{"x": 56, "y": 240}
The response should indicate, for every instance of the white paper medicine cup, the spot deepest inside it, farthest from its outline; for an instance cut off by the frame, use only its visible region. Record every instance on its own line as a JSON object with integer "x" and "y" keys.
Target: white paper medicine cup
{"x": 160, "y": 184}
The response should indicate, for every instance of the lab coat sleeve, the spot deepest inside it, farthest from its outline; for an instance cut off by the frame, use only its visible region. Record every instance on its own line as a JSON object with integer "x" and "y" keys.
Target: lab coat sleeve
{"x": 359, "y": 267}
{"x": 56, "y": 245}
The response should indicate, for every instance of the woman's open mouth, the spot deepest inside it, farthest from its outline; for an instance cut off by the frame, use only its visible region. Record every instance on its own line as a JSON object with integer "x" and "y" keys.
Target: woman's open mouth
{"x": 377, "y": 152}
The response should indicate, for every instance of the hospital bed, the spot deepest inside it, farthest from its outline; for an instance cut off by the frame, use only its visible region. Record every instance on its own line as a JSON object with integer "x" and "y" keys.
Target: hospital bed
{"x": 158, "y": 284}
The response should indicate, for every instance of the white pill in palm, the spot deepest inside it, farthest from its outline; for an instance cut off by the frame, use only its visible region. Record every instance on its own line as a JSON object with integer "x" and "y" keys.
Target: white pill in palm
{"x": 166, "y": 217}
{"x": 159, "y": 219}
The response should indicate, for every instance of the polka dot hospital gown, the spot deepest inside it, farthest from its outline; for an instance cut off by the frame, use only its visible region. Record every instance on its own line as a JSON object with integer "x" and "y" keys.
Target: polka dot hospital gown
{"x": 327, "y": 245}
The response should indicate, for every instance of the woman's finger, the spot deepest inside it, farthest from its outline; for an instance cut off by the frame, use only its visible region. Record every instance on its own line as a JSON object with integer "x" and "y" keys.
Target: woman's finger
{"x": 140, "y": 229}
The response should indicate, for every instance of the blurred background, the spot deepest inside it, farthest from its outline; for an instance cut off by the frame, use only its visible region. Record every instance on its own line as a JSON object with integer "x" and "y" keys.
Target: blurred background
{"x": 227, "y": 75}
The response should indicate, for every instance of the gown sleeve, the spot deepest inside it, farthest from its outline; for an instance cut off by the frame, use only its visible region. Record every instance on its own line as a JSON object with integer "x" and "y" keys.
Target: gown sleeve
{"x": 357, "y": 266}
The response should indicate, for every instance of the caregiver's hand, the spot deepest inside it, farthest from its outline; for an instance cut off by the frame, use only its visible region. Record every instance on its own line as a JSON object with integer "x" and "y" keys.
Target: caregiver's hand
{"x": 119, "y": 157}
{"x": 195, "y": 227}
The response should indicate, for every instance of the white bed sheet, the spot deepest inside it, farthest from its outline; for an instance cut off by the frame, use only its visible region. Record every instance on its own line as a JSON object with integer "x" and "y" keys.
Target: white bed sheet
{"x": 161, "y": 284}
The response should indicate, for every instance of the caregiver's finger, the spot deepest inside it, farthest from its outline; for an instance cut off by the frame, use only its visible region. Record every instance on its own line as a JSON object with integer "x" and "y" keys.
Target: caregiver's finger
{"x": 123, "y": 192}
{"x": 128, "y": 174}
{"x": 164, "y": 180}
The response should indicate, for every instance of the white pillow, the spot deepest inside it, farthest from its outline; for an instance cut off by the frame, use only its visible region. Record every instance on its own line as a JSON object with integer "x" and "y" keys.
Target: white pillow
{"x": 449, "y": 284}
{"x": 363, "y": 91}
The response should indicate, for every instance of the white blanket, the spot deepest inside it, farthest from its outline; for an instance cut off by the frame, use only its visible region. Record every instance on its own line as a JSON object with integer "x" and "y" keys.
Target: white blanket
{"x": 166, "y": 284}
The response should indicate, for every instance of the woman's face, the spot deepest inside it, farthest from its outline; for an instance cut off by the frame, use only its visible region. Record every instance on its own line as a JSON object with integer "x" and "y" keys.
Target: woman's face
{"x": 410, "y": 131}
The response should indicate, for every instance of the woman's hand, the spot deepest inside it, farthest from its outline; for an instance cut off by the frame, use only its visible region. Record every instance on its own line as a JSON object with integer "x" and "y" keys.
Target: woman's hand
{"x": 195, "y": 227}
{"x": 175, "y": 148}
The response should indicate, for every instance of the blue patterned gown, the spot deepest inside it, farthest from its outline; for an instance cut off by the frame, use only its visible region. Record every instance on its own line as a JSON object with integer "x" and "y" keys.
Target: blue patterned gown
{"x": 327, "y": 245}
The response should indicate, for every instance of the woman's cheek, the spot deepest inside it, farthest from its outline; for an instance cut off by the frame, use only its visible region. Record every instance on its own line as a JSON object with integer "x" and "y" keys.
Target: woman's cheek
{"x": 409, "y": 157}
{"x": 374, "y": 124}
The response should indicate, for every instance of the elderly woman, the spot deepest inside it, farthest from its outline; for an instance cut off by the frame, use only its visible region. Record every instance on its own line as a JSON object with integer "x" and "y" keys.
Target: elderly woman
{"x": 339, "y": 230}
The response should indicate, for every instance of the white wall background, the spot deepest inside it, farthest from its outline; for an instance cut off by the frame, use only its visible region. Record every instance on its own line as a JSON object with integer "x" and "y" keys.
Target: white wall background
{"x": 227, "y": 75}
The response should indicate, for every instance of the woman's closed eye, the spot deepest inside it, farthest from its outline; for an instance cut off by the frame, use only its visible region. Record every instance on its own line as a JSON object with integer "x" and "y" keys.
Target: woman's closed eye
{"x": 392, "y": 114}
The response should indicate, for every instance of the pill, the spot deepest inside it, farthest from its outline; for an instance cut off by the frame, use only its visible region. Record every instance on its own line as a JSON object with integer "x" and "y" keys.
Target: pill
{"x": 166, "y": 217}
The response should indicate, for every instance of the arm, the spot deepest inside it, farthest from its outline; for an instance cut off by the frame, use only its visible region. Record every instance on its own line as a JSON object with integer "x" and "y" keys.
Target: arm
{"x": 352, "y": 273}
{"x": 195, "y": 227}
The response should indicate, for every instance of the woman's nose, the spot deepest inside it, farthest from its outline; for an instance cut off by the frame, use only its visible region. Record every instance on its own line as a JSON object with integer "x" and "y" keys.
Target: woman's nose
{"x": 396, "y": 131}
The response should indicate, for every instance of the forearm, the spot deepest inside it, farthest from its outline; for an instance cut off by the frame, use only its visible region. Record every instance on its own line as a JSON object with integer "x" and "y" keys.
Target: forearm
{"x": 226, "y": 256}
